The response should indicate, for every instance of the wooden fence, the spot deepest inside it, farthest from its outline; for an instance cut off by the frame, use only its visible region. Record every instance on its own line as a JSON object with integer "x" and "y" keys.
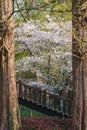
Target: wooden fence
{"x": 41, "y": 97}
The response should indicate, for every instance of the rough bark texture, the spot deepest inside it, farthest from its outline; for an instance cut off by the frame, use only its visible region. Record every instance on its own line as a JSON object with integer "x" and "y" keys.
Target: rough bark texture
{"x": 9, "y": 110}
{"x": 79, "y": 50}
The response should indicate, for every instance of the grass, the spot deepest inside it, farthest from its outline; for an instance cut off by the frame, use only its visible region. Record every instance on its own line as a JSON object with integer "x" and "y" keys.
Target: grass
{"x": 27, "y": 112}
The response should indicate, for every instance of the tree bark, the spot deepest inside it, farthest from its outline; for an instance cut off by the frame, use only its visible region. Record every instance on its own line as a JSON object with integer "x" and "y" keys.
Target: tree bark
{"x": 79, "y": 51}
{"x": 9, "y": 110}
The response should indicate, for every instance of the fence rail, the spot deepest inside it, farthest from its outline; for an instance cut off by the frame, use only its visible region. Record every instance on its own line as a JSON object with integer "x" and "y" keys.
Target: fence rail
{"x": 54, "y": 102}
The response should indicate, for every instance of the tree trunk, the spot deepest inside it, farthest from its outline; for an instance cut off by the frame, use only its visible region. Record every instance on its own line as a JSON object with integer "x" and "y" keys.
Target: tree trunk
{"x": 79, "y": 51}
{"x": 9, "y": 110}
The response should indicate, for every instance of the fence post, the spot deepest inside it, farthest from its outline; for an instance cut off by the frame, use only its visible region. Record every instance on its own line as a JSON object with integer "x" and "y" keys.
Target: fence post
{"x": 20, "y": 89}
{"x": 35, "y": 94}
{"x": 25, "y": 90}
{"x": 29, "y": 94}
{"x": 49, "y": 101}
{"x": 63, "y": 106}
{"x": 69, "y": 103}
{"x": 59, "y": 104}
{"x": 40, "y": 95}
{"x": 69, "y": 107}
{"x": 54, "y": 103}
{"x": 44, "y": 100}
{"x": 17, "y": 87}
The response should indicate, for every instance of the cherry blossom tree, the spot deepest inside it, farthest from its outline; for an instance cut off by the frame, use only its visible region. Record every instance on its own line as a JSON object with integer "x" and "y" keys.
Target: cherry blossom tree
{"x": 49, "y": 50}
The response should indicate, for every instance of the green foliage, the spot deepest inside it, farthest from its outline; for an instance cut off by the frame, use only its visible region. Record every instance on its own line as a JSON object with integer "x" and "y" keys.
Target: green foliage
{"x": 38, "y": 10}
{"x": 18, "y": 19}
{"x": 20, "y": 54}
{"x": 80, "y": 0}
{"x": 26, "y": 75}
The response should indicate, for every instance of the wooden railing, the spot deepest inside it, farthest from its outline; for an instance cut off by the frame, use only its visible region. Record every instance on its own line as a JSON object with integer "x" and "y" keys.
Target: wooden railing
{"x": 61, "y": 104}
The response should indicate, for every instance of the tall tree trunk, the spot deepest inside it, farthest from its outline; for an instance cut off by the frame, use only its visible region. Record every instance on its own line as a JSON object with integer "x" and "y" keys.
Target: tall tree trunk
{"x": 9, "y": 110}
{"x": 79, "y": 50}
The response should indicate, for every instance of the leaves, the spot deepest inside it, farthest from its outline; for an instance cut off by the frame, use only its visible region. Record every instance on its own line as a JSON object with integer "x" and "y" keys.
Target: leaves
{"x": 38, "y": 10}
{"x": 47, "y": 123}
